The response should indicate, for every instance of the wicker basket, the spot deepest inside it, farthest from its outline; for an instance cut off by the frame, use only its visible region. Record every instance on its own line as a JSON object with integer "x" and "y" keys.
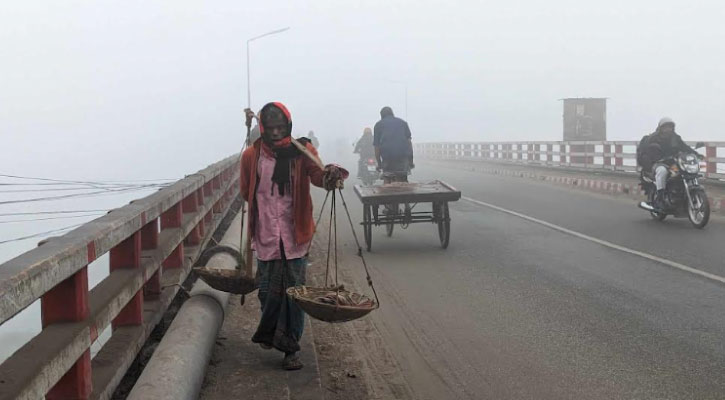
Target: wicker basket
{"x": 227, "y": 280}
{"x": 307, "y": 298}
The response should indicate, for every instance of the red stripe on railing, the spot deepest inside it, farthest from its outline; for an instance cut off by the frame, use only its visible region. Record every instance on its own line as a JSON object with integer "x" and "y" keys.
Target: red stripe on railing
{"x": 91, "y": 250}
{"x": 127, "y": 255}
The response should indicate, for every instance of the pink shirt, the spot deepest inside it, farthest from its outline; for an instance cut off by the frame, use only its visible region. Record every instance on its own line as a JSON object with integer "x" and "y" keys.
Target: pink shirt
{"x": 275, "y": 219}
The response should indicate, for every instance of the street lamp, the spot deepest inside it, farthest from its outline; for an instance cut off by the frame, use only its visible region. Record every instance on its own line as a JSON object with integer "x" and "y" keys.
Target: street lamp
{"x": 405, "y": 86}
{"x": 249, "y": 93}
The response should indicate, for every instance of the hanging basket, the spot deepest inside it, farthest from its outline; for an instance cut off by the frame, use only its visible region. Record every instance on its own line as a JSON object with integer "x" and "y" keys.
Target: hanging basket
{"x": 227, "y": 280}
{"x": 334, "y": 303}
{"x": 331, "y": 304}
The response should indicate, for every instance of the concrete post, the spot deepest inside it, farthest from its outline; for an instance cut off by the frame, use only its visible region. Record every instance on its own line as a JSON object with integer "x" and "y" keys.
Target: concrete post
{"x": 710, "y": 152}
{"x": 150, "y": 241}
{"x": 127, "y": 254}
{"x": 68, "y": 302}
{"x": 618, "y": 158}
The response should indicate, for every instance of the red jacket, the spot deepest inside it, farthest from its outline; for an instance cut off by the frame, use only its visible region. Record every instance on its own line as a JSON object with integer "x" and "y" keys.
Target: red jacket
{"x": 305, "y": 171}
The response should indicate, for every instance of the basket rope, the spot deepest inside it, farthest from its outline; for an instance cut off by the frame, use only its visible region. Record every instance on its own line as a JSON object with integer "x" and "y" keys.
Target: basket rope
{"x": 332, "y": 236}
{"x": 243, "y": 209}
{"x": 360, "y": 251}
{"x": 334, "y": 213}
{"x": 317, "y": 223}
{"x": 332, "y": 233}
{"x": 329, "y": 240}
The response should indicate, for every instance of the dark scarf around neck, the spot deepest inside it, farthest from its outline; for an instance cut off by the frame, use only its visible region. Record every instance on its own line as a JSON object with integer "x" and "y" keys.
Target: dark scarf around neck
{"x": 284, "y": 153}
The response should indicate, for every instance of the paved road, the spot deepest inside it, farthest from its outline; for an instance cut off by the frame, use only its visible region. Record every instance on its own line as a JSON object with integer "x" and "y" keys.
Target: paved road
{"x": 617, "y": 220}
{"x": 516, "y": 310}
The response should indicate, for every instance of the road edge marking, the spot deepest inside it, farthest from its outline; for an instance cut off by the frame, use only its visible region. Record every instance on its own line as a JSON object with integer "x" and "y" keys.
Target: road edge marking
{"x": 673, "y": 264}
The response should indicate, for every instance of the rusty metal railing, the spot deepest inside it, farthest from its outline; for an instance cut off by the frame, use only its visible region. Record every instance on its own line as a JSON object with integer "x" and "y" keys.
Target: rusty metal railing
{"x": 152, "y": 244}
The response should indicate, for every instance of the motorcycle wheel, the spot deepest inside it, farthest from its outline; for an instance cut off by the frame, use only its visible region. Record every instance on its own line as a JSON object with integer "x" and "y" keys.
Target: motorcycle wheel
{"x": 655, "y": 215}
{"x": 699, "y": 218}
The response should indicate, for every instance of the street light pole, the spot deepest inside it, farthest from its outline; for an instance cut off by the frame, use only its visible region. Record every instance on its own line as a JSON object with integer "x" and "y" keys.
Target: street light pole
{"x": 249, "y": 91}
{"x": 247, "y": 249}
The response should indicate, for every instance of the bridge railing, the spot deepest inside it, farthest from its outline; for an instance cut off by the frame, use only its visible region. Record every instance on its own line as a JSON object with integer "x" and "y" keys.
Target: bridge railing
{"x": 618, "y": 156}
{"x": 152, "y": 244}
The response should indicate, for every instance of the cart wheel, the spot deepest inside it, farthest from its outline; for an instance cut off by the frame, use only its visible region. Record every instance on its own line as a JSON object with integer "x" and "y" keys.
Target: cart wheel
{"x": 368, "y": 227}
{"x": 444, "y": 224}
{"x": 392, "y": 213}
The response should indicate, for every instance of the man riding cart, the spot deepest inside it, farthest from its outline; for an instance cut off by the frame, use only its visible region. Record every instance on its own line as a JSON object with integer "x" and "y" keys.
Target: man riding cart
{"x": 393, "y": 147}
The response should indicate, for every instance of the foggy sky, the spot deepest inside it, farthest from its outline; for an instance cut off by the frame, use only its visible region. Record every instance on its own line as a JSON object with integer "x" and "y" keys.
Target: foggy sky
{"x": 128, "y": 90}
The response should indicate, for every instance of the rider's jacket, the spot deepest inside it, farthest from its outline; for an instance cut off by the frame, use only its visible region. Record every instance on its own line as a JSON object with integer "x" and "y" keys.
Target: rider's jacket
{"x": 392, "y": 136}
{"x": 364, "y": 147}
{"x": 658, "y": 146}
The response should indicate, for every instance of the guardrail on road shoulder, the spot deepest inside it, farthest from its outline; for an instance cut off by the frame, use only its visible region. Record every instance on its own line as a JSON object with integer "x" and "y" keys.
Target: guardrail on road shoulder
{"x": 618, "y": 156}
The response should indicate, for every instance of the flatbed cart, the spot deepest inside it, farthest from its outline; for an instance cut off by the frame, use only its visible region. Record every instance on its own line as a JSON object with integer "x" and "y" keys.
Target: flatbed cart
{"x": 391, "y": 195}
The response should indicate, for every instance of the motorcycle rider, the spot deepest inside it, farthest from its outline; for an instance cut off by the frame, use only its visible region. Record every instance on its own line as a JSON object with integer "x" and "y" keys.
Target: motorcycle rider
{"x": 655, "y": 150}
{"x": 364, "y": 147}
{"x": 393, "y": 146}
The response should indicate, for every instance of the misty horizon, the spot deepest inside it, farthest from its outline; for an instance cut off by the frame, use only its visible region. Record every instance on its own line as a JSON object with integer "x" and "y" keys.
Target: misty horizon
{"x": 107, "y": 90}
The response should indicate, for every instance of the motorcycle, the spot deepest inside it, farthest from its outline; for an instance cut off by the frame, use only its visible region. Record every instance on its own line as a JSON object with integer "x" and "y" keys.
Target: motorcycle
{"x": 368, "y": 172}
{"x": 683, "y": 196}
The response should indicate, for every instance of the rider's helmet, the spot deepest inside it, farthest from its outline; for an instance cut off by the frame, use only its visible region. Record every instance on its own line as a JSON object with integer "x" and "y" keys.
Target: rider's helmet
{"x": 665, "y": 121}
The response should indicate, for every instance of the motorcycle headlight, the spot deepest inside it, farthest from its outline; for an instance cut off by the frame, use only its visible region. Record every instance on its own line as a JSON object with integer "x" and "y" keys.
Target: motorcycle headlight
{"x": 690, "y": 164}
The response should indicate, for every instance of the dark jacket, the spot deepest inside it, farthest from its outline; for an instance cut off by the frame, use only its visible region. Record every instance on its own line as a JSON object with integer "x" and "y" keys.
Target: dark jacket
{"x": 671, "y": 144}
{"x": 658, "y": 146}
{"x": 364, "y": 146}
{"x": 392, "y": 136}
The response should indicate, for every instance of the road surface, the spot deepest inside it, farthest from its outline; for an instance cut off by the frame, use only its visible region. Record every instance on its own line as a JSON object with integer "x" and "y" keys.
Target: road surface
{"x": 514, "y": 309}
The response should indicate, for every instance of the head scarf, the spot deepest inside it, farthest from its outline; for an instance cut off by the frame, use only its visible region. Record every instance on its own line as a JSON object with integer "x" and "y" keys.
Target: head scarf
{"x": 283, "y": 151}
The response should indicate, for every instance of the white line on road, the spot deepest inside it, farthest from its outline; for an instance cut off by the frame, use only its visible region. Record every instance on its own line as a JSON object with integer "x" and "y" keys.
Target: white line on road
{"x": 611, "y": 245}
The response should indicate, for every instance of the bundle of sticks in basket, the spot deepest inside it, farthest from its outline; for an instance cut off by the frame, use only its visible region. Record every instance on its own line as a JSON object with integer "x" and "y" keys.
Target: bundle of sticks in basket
{"x": 341, "y": 297}
{"x": 331, "y": 304}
